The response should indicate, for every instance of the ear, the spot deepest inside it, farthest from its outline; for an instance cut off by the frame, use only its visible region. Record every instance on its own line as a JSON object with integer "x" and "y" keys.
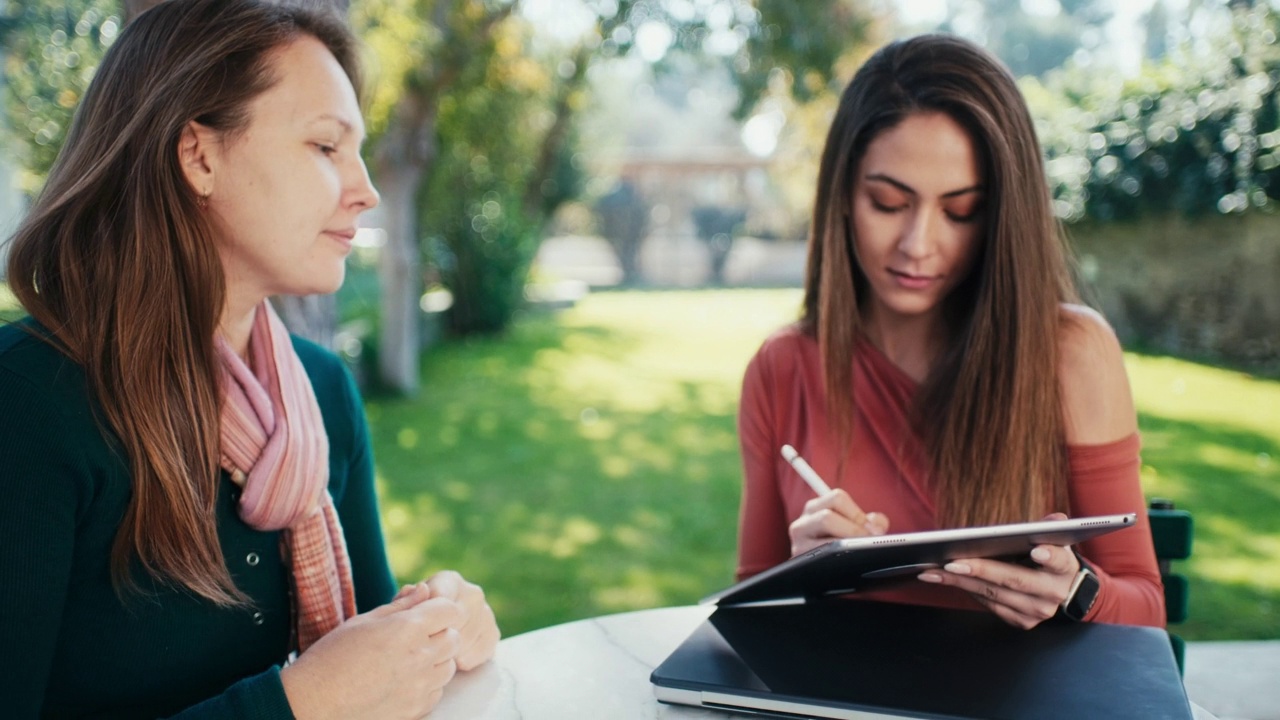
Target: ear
{"x": 197, "y": 154}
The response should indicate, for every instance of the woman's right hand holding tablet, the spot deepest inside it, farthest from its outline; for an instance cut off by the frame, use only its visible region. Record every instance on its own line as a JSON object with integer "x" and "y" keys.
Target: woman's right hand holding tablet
{"x": 391, "y": 662}
{"x": 832, "y": 516}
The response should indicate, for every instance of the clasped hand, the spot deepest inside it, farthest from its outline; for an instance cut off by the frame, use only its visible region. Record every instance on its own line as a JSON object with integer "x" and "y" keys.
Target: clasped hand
{"x": 1022, "y": 596}
{"x": 394, "y": 661}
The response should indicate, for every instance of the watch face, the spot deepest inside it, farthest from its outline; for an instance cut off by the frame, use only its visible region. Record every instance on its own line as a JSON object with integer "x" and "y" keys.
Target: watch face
{"x": 1082, "y": 601}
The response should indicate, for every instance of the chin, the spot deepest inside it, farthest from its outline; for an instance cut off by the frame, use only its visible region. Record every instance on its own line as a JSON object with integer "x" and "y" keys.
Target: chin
{"x": 911, "y": 306}
{"x": 323, "y": 283}
{"x": 314, "y": 287}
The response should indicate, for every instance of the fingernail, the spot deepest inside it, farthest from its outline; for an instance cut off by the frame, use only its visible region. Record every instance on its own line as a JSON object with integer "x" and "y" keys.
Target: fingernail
{"x": 1040, "y": 554}
{"x": 930, "y": 577}
{"x": 957, "y": 568}
{"x": 875, "y": 523}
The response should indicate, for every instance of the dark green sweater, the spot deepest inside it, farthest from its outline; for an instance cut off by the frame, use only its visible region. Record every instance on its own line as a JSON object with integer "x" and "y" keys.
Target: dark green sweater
{"x": 69, "y": 646}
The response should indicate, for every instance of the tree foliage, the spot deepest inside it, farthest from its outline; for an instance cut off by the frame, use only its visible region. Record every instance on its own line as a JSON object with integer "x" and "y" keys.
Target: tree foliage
{"x": 1030, "y": 43}
{"x": 475, "y": 113}
{"x": 50, "y": 53}
{"x": 801, "y": 44}
{"x": 1197, "y": 133}
{"x": 502, "y": 105}
{"x": 487, "y": 198}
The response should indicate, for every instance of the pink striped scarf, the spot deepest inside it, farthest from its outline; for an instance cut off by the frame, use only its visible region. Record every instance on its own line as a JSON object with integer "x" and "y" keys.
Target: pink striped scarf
{"x": 275, "y": 447}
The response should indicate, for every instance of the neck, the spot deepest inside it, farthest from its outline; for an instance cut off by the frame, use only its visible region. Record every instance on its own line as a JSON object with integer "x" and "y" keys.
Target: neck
{"x": 910, "y": 342}
{"x": 237, "y": 322}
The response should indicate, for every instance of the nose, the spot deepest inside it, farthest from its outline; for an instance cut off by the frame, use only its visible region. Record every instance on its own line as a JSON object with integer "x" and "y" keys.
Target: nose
{"x": 361, "y": 194}
{"x": 919, "y": 237}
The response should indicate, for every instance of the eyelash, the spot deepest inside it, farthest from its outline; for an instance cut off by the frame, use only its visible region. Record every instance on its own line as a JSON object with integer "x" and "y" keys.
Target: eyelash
{"x": 971, "y": 217}
{"x": 885, "y": 208}
{"x": 325, "y": 150}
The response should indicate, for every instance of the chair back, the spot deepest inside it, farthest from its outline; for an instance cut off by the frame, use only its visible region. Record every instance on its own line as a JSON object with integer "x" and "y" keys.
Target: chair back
{"x": 1172, "y": 531}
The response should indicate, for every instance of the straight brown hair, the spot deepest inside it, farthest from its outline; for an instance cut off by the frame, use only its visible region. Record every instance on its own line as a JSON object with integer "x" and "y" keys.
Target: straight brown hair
{"x": 989, "y": 415}
{"x": 118, "y": 262}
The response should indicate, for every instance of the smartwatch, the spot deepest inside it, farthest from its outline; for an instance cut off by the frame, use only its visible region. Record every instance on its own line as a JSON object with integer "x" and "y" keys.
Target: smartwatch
{"x": 1083, "y": 593}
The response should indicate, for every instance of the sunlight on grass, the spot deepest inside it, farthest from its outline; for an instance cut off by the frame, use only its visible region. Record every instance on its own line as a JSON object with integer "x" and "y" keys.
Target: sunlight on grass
{"x": 10, "y": 309}
{"x": 587, "y": 462}
{"x": 1180, "y": 390}
{"x": 1210, "y": 439}
{"x": 599, "y": 449}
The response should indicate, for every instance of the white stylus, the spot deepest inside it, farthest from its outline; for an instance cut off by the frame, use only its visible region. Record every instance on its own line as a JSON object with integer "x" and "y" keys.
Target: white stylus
{"x": 805, "y": 471}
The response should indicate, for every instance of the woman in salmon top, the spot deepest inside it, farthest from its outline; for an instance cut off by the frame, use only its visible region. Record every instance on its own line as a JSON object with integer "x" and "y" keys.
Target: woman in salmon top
{"x": 941, "y": 374}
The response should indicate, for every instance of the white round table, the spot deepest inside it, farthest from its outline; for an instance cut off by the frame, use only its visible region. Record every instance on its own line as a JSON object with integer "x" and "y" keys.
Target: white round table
{"x": 593, "y": 669}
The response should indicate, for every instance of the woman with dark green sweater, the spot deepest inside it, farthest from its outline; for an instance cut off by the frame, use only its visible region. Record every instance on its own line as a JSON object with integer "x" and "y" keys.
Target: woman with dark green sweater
{"x": 188, "y": 491}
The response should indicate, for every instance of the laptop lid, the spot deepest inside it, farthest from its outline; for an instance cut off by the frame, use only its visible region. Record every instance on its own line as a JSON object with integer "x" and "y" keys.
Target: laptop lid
{"x": 859, "y": 659}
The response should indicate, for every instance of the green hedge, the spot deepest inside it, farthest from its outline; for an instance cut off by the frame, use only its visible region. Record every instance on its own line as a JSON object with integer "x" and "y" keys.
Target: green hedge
{"x": 1197, "y": 134}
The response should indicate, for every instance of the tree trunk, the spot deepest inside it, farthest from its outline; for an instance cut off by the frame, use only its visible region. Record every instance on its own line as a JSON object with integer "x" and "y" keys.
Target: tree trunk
{"x": 400, "y": 165}
{"x": 400, "y": 276}
{"x": 557, "y": 134}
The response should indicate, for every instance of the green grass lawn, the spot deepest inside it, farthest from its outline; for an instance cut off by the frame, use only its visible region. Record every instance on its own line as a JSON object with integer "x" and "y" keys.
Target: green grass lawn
{"x": 9, "y": 308}
{"x": 587, "y": 462}
{"x": 1211, "y": 442}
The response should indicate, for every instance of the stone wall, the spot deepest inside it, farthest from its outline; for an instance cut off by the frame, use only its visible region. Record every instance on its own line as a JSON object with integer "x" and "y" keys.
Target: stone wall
{"x": 1202, "y": 288}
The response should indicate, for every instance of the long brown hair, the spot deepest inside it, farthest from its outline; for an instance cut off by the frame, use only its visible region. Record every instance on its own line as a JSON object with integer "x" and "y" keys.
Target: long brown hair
{"x": 117, "y": 260}
{"x": 989, "y": 413}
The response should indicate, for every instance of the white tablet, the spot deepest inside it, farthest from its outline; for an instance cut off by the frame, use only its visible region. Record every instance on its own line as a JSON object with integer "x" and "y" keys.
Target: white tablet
{"x": 853, "y": 565}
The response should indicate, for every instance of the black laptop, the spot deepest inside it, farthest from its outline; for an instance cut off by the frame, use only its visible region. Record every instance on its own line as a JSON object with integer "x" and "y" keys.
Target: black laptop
{"x": 823, "y": 656}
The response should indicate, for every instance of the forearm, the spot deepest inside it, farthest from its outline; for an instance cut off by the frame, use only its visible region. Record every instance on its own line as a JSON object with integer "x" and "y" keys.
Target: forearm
{"x": 259, "y": 697}
{"x": 1128, "y": 600}
{"x": 1104, "y": 481}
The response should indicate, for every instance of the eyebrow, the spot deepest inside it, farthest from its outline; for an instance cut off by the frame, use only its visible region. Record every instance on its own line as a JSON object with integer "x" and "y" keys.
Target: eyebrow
{"x": 881, "y": 177}
{"x": 347, "y": 127}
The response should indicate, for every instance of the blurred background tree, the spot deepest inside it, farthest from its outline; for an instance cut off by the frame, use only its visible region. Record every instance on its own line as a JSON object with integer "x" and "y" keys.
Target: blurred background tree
{"x": 1031, "y": 37}
{"x": 477, "y": 108}
{"x": 1195, "y": 133}
{"x": 475, "y": 130}
{"x": 50, "y": 51}
{"x": 472, "y": 123}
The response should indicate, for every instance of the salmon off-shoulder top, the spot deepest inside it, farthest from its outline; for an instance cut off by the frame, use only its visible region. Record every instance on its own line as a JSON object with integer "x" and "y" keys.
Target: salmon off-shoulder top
{"x": 782, "y": 403}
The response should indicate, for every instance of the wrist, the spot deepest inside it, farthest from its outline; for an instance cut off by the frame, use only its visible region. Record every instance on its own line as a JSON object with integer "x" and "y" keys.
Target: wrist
{"x": 1083, "y": 593}
{"x": 299, "y": 693}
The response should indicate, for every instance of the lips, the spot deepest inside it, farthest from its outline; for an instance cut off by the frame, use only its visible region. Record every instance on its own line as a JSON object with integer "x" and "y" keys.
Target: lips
{"x": 343, "y": 236}
{"x": 912, "y": 281}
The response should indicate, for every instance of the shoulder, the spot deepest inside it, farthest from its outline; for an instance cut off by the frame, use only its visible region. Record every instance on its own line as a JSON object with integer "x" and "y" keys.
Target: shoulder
{"x": 329, "y": 376}
{"x": 318, "y": 361}
{"x": 20, "y": 343}
{"x": 48, "y": 423}
{"x": 787, "y": 345}
{"x": 1087, "y": 346}
{"x": 335, "y": 389}
{"x": 31, "y": 365}
{"x": 1097, "y": 401}
{"x": 787, "y": 360}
